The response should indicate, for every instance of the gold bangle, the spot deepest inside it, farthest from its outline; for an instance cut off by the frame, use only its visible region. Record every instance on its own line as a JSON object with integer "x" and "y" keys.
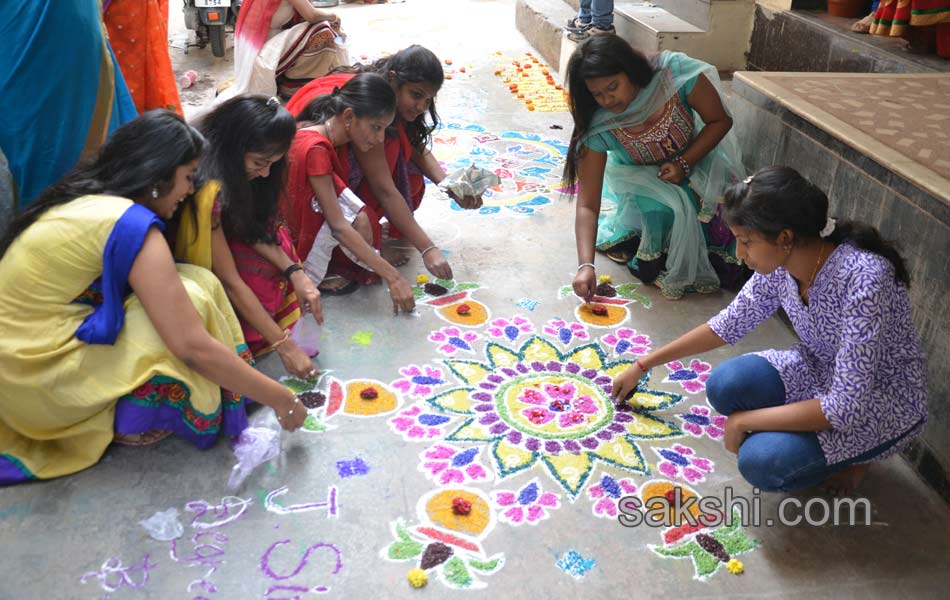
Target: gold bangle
{"x": 281, "y": 340}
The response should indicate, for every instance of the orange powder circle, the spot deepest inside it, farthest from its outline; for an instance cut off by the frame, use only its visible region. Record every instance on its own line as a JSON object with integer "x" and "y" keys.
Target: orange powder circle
{"x": 439, "y": 509}
{"x": 615, "y": 315}
{"x": 354, "y": 405}
{"x": 476, "y": 316}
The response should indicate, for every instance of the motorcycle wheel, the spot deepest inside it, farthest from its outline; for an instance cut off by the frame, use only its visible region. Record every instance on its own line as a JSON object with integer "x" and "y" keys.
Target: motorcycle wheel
{"x": 216, "y": 33}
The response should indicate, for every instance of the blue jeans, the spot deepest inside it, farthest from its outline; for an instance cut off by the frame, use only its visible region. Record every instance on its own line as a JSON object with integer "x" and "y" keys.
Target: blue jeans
{"x": 773, "y": 461}
{"x": 601, "y": 12}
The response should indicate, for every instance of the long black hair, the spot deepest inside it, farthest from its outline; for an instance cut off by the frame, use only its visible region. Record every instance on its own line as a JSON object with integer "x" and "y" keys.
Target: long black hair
{"x": 778, "y": 198}
{"x": 367, "y": 94}
{"x": 415, "y": 64}
{"x": 247, "y": 124}
{"x": 139, "y": 158}
{"x": 599, "y": 56}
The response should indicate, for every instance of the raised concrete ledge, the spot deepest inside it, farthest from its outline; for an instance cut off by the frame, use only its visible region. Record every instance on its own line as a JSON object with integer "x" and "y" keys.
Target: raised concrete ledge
{"x": 769, "y": 88}
{"x": 542, "y": 24}
{"x": 866, "y": 182}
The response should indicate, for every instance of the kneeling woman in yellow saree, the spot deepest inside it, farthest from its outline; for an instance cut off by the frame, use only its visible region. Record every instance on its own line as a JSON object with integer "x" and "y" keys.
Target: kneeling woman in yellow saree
{"x": 101, "y": 336}
{"x": 231, "y": 227}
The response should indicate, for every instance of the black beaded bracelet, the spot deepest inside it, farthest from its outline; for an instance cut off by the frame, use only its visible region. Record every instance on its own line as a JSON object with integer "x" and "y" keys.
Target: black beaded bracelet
{"x": 291, "y": 270}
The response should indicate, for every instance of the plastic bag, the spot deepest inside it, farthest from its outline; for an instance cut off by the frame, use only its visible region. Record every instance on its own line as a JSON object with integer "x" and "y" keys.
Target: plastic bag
{"x": 306, "y": 334}
{"x": 164, "y": 526}
{"x": 256, "y": 445}
{"x": 470, "y": 181}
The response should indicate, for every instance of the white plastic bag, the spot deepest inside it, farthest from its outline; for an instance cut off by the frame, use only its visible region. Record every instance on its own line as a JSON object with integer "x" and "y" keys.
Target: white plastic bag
{"x": 306, "y": 334}
{"x": 256, "y": 445}
{"x": 470, "y": 181}
{"x": 164, "y": 526}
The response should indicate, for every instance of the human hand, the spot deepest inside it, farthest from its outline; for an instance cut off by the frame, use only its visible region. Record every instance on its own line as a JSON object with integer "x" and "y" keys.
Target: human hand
{"x": 736, "y": 433}
{"x": 436, "y": 264}
{"x": 296, "y": 360}
{"x": 466, "y": 202}
{"x": 401, "y": 294}
{"x": 626, "y": 383}
{"x": 585, "y": 283}
{"x": 332, "y": 19}
{"x": 291, "y": 414}
{"x": 672, "y": 172}
{"x": 308, "y": 295}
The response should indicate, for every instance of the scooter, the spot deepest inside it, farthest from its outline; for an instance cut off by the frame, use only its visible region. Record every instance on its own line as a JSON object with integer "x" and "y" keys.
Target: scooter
{"x": 209, "y": 19}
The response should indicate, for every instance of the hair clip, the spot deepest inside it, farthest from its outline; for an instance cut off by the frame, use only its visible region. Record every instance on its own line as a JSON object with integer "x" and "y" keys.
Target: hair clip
{"x": 273, "y": 102}
{"x": 748, "y": 179}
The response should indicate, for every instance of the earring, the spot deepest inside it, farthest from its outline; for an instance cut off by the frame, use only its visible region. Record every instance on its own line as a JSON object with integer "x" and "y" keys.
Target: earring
{"x": 155, "y": 192}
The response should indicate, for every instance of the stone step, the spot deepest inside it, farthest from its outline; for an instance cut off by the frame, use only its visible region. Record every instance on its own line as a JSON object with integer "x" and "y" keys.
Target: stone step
{"x": 716, "y": 31}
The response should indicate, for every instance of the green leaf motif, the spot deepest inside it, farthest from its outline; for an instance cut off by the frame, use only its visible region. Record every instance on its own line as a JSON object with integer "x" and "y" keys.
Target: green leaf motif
{"x": 466, "y": 286}
{"x": 456, "y": 573}
{"x": 297, "y": 386}
{"x": 312, "y": 423}
{"x": 681, "y": 551}
{"x": 418, "y": 293}
{"x": 706, "y": 563}
{"x": 446, "y": 283}
{"x": 404, "y": 550}
{"x": 489, "y": 566}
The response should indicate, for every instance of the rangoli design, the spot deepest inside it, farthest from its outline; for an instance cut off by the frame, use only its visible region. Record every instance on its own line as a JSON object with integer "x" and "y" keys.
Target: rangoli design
{"x": 606, "y": 311}
{"x": 529, "y": 505}
{"x": 528, "y": 165}
{"x": 452, "y": 301}
{"x": 419, "y": 422}
{"x": 681, "y": 462}
{"x": 447, "y": 543}
{"x": 607, "y": 494}
{"x": 329, "y": 396}
{"x": 692, "y": 378}
{"x": 447, "y": 464}
{"x": 540, "y": 405}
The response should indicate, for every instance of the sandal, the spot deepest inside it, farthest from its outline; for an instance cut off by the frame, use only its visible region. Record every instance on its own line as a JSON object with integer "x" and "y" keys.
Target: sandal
{"x": 348, "y": 288}
{"x": 140, "y": 439}
{"x": 621, "y": 256}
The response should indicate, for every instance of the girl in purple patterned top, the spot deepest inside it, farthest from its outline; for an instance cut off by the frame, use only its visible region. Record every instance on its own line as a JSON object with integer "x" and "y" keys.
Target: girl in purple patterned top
{"x": 854, "y": 389}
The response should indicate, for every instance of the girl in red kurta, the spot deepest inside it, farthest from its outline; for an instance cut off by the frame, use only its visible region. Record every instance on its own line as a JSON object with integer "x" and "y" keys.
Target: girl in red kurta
{"x": 390, "y": 178}
{"x": 318, "y": 206}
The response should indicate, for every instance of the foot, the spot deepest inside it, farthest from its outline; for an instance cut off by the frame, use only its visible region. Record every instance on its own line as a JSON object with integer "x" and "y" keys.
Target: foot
{"x": 140, "y": 439}
{"x": 619, "y": 255}
{"x": 844, "y": 483}
{"x": 575, "y": 25}
{"x": 595, "y": 30}
{"x": 334, "y": 285}
{"x": 397, "y": 257}
{"x": 864, "y": 25}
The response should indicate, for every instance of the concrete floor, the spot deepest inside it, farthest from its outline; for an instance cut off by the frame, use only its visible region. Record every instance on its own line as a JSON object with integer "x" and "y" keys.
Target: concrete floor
{"x": 57, "y": 534}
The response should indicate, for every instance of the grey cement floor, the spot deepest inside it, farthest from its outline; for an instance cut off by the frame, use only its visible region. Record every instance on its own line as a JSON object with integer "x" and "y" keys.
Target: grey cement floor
{"x": 57, "y": 534}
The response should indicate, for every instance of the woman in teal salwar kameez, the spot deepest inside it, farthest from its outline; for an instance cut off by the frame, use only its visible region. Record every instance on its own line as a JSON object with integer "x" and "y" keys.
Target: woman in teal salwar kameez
{"x": 653, "y": 137}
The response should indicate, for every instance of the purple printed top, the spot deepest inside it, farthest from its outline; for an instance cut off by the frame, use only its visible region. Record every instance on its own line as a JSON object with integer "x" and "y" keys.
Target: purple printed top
{"x": 859, "y": 353}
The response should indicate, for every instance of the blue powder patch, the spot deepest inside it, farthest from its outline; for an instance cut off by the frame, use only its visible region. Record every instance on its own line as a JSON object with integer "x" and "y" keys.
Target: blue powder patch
{"x": 350, "y": 468}
{"x": 575, "y": 565}
{"x": 527, "y": 304}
